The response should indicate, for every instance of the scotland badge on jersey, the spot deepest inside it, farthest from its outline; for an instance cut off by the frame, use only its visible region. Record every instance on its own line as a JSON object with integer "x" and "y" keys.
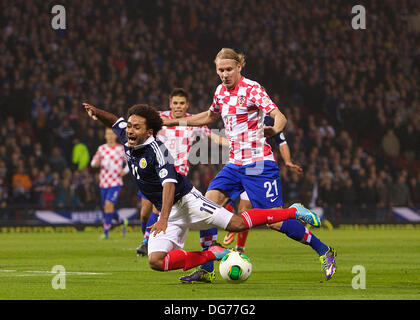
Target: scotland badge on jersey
{"x": 143, "y": 163}
{"x": 163, "y": 173}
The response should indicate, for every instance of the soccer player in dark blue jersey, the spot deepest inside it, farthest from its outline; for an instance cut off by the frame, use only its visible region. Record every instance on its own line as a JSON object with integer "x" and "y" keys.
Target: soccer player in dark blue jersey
{"x": 181, "y": 206}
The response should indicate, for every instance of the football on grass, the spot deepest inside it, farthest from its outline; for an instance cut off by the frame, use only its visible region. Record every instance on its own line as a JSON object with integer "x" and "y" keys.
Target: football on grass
{"x": 235, "y": 267}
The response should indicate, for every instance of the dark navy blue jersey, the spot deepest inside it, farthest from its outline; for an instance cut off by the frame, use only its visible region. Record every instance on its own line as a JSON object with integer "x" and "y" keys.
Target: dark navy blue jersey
{"x": 151, "y": 166}
{"x": 279, "y": 138}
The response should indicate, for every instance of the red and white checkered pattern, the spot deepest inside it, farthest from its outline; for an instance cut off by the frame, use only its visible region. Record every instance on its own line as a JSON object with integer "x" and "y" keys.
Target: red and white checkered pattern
{"x": 307, "y": 237}
{"x": 179, "y": 139}
{"x": 111, "y": 160}
{"x": 242, "y": 110}
{"x": 207, "y": 241}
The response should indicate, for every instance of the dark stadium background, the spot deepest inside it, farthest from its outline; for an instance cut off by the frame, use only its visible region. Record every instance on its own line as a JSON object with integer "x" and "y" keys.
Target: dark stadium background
{"x": 352, "y": 97}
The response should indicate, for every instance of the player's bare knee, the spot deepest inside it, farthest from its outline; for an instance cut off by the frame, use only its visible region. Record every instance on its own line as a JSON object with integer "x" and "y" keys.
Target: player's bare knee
{"x": 217, "y": 196}
{"x": 244, "y": 205}
{"x": 108, "y": 207}
{"x": 155, "y": 262}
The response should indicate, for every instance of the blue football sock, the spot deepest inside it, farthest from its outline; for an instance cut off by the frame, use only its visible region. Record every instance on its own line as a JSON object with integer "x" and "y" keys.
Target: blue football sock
{"x": 297, "y": 231}
{"x": 143, "y": 228}
{"x": 207, "y": 238}
{"x": 107, "y": 223}
{"x": 154, "y": 217}
{"x": 116, "y": 216}
{"x": 208, "y": 266}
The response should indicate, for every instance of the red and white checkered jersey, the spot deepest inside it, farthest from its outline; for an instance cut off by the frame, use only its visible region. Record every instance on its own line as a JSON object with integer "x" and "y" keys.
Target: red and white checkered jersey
{"x": 111, "y": 161}
{"x": 242, "y": 109}
{"x": 179, "y": 139}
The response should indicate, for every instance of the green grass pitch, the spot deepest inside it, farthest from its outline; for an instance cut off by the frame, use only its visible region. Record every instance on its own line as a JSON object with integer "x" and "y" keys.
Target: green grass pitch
{"x": 282, "y": 268}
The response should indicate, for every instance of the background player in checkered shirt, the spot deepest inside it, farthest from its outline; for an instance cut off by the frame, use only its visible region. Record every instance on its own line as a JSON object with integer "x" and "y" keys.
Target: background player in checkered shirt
{"x": 179, "y": 141}
{"x": 110, "y": 158}
{"x": 242, "y": 104}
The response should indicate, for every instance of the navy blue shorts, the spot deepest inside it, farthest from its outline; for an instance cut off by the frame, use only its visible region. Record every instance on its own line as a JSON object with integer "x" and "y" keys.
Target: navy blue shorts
{"x": 260, "y": 180}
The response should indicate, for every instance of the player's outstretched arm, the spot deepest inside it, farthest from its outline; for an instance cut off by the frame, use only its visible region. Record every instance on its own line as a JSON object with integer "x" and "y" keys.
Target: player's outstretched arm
{"x": 285, "y": 154}
{"x": 199, "y": 119}
{"x": 108, "y": 119}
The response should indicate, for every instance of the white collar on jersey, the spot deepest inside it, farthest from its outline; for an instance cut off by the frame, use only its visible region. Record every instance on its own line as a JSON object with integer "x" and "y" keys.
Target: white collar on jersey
{"x": 147, "y": 142}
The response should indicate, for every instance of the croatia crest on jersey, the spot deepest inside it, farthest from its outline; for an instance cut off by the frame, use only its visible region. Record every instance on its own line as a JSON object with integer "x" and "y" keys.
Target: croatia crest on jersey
{"x": 241, "y": 101}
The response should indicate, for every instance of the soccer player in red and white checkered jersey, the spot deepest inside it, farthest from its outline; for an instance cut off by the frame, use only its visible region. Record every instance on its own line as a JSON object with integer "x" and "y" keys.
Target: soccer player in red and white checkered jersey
{"x": 110, "y": 158}
{"x": 179, "y": 140}
{"x": 243, "y": 104}
{"x": 244, "y": 203}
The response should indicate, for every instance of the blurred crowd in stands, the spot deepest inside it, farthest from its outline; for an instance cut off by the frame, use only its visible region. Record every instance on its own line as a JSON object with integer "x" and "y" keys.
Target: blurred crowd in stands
{"x": 351, "y": 97}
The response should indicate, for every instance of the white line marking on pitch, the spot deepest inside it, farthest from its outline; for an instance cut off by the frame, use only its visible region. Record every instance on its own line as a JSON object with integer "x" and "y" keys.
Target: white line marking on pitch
{"x": 49, "y": 272}
{"x": 68, "y": 272}
{"x": 31, "y": 275}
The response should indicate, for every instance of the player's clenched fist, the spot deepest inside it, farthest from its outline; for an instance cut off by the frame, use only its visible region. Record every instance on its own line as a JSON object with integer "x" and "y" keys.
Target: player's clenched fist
{"x": 91, "y": 110}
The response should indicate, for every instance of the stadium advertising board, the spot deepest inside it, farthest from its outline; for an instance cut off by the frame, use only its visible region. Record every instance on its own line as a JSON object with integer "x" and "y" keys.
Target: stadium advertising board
{"x": 82, "y": 217}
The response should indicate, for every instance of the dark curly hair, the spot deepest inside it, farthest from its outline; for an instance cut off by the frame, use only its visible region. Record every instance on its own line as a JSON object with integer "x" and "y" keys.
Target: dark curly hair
{"x": 153, "y": 119}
